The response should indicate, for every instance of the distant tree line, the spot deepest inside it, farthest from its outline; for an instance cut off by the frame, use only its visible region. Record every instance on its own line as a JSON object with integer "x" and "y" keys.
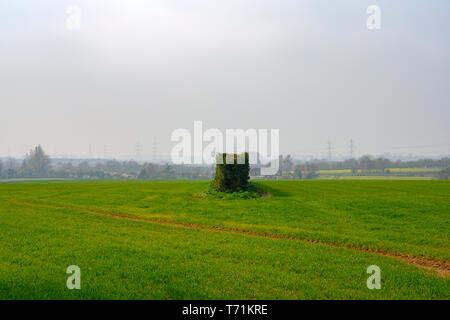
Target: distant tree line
{"x": 377, "y": 163}
{"x": 289, "y": 167}
{"x": 37, "y": 164}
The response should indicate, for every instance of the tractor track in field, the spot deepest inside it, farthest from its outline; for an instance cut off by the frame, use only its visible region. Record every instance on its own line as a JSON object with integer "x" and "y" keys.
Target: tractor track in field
{"x": 442, "y": 268}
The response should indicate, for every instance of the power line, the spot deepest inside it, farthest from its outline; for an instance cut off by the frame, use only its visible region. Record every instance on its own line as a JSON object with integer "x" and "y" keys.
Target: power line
{"x": 329, "y": 147}
{"x": 138, "y": 150}
{"x": 352, "y": 147}
{"x": 155, "y": 155}
{"x": 419, "y": 147}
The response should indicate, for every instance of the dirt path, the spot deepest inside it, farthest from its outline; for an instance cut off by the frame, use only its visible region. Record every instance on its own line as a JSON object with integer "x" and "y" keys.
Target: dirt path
{"x": 442, "y": 268}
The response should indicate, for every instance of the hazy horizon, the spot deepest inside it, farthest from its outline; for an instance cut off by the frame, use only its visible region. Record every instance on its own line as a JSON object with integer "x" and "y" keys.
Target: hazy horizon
{"x": 137, "y": 70}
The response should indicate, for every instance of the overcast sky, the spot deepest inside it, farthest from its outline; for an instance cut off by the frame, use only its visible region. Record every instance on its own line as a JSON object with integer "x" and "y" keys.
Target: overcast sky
{"x": 138, "y": 69}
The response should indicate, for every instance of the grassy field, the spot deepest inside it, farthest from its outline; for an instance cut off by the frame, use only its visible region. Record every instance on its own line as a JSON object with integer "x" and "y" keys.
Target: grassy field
{"x": 339, "y": 171}
{"x": 371, "y": 177}
{"x": 391, "y": 170}
{"x": 386, "y": 174}
{"x": 165, "y": 240}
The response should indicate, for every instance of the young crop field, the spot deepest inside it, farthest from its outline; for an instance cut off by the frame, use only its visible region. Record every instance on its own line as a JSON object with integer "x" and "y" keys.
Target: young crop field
{"x": 380, "y": 177}
{"x": 383, "y": 174}
{"x": 339, "y": 171}
{"x": 170, "y": 240}
{"x": 391, "y": 170}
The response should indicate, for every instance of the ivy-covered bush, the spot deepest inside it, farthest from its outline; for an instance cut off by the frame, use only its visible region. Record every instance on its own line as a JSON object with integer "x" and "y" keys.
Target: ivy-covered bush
{"x": 232, "y": 176}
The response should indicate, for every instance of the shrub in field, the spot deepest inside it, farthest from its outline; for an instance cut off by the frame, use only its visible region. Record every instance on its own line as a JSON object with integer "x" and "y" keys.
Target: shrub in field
{"x": 234, "y": 176}
{"x": 444, "y": 174}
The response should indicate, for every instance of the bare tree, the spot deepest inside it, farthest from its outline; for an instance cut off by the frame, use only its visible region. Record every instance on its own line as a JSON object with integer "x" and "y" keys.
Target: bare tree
{"x": 36, "y": 164}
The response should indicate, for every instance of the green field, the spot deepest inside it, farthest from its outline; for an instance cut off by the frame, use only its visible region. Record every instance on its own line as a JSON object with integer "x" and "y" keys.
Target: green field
{"x": 391, "y": 170}
{"x": 166, "y": 240}
{"x": 370, "y": 177}
{"x": 381, "y": 174}
{"x": 339, "y": 171}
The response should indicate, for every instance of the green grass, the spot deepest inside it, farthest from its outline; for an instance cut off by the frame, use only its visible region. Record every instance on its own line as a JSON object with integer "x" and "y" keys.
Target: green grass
{"x": 386, "y": 174}
{"x": 338, "y": 171}
{"x": 45, "y": 227}
{"x": 391, "y": 170}
{"x": 369, "y": 177}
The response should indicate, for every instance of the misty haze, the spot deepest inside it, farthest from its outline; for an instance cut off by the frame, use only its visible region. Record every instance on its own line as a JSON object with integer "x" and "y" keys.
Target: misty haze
{"x": 213, "y": 157}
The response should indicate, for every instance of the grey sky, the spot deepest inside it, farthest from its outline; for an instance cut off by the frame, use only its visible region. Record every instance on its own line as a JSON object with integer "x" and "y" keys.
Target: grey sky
{"x": 137, "y": 70}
